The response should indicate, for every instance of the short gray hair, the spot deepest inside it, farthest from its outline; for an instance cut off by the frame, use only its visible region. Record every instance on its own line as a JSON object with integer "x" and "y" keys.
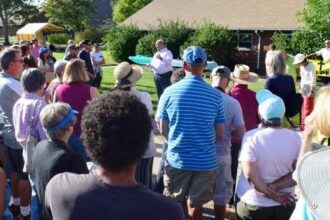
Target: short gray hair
{"x": 59, "y": 67}
{"x": 278, "y": 65}
{"x": 32, "y": 80}
{"x": 161, "y": 41}
{"x": 7, "y": 56}
{"x": 51, "y": 115}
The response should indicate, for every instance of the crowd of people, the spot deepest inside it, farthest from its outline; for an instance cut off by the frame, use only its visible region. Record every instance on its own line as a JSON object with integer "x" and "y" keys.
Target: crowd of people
{"x": 69, "y": 152}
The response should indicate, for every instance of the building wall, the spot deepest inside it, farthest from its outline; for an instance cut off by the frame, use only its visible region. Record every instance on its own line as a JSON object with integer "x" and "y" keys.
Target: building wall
{"x": 250, "y": 56}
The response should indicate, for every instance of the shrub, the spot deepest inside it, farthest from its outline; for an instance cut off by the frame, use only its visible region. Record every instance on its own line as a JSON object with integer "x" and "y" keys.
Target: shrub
{"x": 122, "y": 9}
{"x": 174, "y": 33}
{"x": 302, "y": 41}
{"x": 61, "y": 38}
{"x": 218, "y": 42}
{"x": 93, "y": 33}
{"x": 121, "y": 41}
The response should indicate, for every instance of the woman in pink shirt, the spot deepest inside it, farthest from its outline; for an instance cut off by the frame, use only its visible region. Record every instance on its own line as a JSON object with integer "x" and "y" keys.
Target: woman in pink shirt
{"x": 77, "y": 94}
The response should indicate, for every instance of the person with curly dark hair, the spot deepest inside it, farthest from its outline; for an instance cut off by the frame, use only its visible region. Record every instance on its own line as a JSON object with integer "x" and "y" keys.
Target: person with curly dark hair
{"x": 116, "y": 130}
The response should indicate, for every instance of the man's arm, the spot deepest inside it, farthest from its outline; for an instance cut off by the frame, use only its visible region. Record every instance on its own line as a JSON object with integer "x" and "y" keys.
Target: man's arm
{"x": 238, "y": 132}
{"x": 219, "y": 130}
{"x": 163, "y": 128}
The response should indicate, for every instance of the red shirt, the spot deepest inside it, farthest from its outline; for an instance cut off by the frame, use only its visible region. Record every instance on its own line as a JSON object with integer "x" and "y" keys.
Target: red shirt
{"x": 249, "y": 104}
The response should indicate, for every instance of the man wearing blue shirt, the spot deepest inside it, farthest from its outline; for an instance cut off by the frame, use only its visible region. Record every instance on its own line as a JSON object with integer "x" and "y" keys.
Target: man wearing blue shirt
{"x": 191, "y": 119}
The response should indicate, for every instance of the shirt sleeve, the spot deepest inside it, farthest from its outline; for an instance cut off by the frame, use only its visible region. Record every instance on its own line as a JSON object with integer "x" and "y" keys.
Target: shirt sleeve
{"x": 248, "y": 151}
{"x": 319, "y": 53}
{"x": 220, "y": 118}
{"x": 39, "y": 129}
{"x": 238, "y": 114}
{"x": 161, "y": 111}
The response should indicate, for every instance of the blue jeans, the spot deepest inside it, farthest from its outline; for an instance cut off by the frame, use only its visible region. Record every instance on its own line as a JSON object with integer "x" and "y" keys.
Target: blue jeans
{"x": 34, "y": 201}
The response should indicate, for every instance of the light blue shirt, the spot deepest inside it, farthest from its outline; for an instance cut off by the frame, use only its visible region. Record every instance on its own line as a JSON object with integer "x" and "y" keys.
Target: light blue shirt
{"x": 192, "y": 109}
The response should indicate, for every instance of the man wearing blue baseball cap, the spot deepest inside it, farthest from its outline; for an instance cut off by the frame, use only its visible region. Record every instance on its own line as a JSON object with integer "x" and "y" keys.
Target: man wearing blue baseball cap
{"x": 268, "y": 157}
{"x": 192, "y": 120}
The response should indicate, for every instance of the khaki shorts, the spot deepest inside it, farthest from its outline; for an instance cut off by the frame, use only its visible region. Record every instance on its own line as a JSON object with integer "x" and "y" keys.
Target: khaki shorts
{"x": 195, "y": 186}
{"x": 224, "y": 183}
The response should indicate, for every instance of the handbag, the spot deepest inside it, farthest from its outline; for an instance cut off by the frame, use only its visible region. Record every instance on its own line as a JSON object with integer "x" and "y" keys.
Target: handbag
{"x": 31, "y": 143}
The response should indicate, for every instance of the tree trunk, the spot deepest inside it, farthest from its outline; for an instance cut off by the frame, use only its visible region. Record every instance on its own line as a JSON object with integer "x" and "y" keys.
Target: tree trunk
{"x": 5, "y": 32}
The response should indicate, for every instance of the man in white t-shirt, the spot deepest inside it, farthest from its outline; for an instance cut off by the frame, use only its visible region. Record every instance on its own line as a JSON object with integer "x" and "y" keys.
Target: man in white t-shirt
{"x": 268, "y": 157}
{"x": 161, "y": 65}
{"x": 324, "y": 52}
{"x": 97, "y": 61}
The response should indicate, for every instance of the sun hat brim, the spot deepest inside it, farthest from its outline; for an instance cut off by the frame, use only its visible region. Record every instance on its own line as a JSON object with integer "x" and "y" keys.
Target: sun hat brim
{"x": 253, "y": 78}
{"x": 313, "y": 175}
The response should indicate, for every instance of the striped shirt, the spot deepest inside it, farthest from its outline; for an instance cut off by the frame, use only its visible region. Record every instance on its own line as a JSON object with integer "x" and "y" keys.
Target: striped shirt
{"x": 192, "y": 108}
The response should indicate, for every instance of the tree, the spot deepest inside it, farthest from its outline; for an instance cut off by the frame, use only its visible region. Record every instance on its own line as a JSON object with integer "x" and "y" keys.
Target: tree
{"x": 316, "y": 16}
{"x": 218, "y": 42}
{"x": 122, "y": 9}
{"x": 74, "y": 15}
{"x": 14, "y": 12}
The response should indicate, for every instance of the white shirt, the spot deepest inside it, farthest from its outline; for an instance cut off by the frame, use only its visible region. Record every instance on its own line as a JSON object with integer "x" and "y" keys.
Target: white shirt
{"x": 274, "y": 150}
{"x": 308, "y": 75}
{"x": 145, "y": 98}
{"x": 98, "y": 56}
{"x": 325, "y": 52}
{"x": 162, "y": 66}
{"x": 268, "y": 63}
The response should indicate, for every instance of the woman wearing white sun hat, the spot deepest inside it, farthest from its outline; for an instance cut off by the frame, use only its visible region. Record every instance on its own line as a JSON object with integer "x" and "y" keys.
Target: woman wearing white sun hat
{"x": 307, "y": 85}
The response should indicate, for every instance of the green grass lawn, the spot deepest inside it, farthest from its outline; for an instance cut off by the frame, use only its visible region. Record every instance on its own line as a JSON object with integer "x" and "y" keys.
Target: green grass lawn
{"x": 146, "y": 83}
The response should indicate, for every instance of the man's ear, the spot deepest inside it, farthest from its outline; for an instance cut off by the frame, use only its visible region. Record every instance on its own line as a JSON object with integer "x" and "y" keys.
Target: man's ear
{"x": 186, "y": 67}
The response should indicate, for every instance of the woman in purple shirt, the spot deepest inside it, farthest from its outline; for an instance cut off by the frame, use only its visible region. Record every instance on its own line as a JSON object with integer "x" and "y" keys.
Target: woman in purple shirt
{"x": 77, "y": 94}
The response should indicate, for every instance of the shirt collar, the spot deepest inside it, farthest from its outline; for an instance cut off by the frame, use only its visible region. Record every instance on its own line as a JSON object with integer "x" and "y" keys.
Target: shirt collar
{"x": 195, "y": 77}
{"x": 7, "y": 75}
{"x": 31, "y": 96}
{"x": 241, "y": 86}
{"x": 163, "y": 50}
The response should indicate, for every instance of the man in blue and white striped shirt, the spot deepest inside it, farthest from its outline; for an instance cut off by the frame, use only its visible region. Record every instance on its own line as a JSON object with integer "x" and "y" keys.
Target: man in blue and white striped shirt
{"x": 192, "y": 120}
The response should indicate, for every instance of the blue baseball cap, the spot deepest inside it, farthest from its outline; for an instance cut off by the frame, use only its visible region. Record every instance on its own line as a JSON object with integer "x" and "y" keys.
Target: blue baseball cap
{"x": 43, "y": 50}
{"x": 194, "y": 55}
{"x": 271, "y": 107}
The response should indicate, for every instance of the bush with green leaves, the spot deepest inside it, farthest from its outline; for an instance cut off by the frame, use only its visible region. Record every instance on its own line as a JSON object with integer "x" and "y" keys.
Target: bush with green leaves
{"x": 122, "y": 9}
{"x": 121, "y": 41}
{"x": 174, "y": 33}
{"x": 301, "y": 41}
{"x": 218, "y": 42}
{"x": 93, "y": 33}
{"x": 60, "y": 38}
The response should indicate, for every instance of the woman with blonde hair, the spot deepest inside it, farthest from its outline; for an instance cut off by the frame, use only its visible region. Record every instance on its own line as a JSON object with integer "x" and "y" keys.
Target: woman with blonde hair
{"x": 313, "y": 171}
{"x": 77, "y": 94}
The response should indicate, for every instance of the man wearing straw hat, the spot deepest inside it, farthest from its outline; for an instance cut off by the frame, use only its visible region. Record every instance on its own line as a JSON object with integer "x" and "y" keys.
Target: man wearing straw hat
{"x": 191, "y": 119}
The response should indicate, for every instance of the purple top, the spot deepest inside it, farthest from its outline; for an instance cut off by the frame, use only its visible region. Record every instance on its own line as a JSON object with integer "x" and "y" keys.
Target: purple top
{"x": 22, "y": 113}
{"x": 249, "y": 104}
{"x": 76, "y": 95}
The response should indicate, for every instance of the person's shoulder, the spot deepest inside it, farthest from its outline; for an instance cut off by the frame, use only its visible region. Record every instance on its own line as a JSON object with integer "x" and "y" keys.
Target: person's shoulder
{"x": 70, "y": 180}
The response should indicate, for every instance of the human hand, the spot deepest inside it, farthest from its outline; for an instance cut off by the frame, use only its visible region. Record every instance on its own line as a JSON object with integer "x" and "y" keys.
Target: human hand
{"x": 92, "y": 76}
{"x": 272, "y": 189}
{"x": 158, "y": 56}
{"x": 309, "y": 125}
{"x": 285, "y": 199}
